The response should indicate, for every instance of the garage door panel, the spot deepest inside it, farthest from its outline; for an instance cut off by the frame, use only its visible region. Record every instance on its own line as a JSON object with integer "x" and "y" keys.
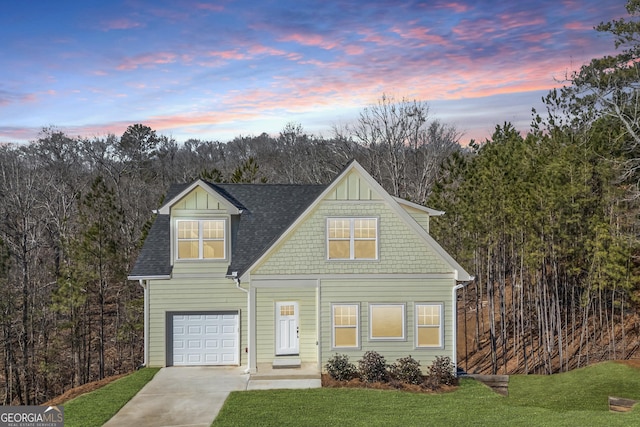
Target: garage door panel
{"x": 205, "y": 339}
{"x": 212, "y": 344}
{"x": 213, "y": 330}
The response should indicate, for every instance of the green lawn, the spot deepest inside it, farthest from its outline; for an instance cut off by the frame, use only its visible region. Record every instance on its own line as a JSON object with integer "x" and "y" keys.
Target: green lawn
{"x": 577, "y": 398}
{"x": 97, "y": 407}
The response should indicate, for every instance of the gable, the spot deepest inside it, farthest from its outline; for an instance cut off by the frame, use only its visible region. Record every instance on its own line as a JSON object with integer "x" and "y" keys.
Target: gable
{"x": 199, "y": 199}
{"x": 200, "y": 195}
{"x": 355, "y": 193}
{"x": 353, "y": 186}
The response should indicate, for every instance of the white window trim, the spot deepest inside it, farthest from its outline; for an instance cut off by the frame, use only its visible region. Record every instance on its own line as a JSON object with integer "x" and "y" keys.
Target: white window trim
{"x": 440, "y": 306}
{"x": 352, "y": 239}
{"x": 201, "y": 240}
{"x": 404, "y": 322}
{"x": 334, "y": 326}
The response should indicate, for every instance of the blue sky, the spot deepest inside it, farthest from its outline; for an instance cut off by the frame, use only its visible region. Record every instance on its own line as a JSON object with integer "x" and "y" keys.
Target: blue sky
{"x": 216, "y": 70}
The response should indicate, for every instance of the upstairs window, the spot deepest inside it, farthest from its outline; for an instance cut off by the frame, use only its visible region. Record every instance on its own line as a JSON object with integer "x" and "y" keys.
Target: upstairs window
{"x": 201, "y": 239}
{"x": 352, "y": 238}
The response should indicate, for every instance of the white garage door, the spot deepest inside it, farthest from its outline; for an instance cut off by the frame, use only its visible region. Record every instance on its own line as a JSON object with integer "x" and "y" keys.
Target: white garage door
{"x": 205, "y": 339}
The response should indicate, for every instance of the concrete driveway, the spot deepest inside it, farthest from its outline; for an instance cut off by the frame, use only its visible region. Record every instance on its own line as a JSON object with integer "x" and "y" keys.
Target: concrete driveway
{"x": 181, "y": 396}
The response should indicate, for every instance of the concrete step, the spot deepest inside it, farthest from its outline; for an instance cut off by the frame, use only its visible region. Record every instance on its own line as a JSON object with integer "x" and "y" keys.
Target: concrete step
{"x": 286, "y": 364}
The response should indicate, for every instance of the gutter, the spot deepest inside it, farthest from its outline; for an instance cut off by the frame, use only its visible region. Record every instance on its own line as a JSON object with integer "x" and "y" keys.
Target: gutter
{"x": 454, "y": 298}
{"x": 236, "y": 279}
{"x": 145, "y": 286}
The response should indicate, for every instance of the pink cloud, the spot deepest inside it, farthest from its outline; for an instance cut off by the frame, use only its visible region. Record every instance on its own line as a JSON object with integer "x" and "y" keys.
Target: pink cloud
{"x": 421, "y": 34}
{"x": 578, "y": 26}
{"x": 456, "y": 7}
{"x": 310, "y": 40}
{"x": 210, "y": 7}
{"x": 228, "y": 54}
{"x": 120, "y": 24}
{"x": 145, "y": 60}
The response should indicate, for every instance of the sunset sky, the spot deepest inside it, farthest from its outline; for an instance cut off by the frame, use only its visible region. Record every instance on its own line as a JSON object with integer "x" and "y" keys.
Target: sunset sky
{"x": 220, "y": 69}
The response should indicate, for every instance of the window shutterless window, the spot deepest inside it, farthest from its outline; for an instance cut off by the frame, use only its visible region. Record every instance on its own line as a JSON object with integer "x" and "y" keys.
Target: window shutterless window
{"x": 386, "y": 322}
{"x": 201, "y": 239}
{"x": 345, "y": 325}
{"x": 352, "y": 238}
{"x": 429, "y": 325}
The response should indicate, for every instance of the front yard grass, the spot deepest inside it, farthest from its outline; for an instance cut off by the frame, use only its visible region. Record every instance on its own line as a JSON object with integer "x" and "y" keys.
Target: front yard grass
{"x": 577, "y": 398}
{"x": 97, "y": 407}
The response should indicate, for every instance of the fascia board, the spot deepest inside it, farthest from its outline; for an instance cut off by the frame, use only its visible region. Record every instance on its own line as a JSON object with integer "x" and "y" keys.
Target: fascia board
{"x": 231, "y": 209}
{"x": 431, "y": 212}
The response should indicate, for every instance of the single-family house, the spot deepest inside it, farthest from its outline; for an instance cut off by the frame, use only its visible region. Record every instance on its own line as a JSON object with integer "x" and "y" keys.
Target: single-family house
{"x": 260, "y": 274}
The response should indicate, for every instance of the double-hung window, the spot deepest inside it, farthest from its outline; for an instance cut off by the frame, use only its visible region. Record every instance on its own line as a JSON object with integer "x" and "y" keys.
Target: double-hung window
{"x": 429, "y": 325}
{"x": 345, "y": 325}
{"x": 352, "y": 238}
{"x": 201, "y": 239}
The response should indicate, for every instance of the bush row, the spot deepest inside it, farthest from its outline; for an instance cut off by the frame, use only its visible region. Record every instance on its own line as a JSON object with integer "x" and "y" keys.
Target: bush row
{"x": 374, "y": 368}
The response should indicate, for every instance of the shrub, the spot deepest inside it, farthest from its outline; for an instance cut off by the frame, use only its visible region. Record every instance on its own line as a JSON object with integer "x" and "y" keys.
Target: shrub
{"x": 373, "y": 368}
{"x": 407, "y": 370}
{"x": 340, "y": 369}
{"x": 441, "y": 372}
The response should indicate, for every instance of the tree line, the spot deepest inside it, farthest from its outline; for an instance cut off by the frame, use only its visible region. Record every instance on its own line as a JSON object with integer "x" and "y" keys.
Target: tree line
{"x": 549, "y": 222}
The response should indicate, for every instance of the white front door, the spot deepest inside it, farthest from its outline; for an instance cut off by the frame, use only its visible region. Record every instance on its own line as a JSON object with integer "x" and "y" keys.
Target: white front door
{"x": 287, "y": 328}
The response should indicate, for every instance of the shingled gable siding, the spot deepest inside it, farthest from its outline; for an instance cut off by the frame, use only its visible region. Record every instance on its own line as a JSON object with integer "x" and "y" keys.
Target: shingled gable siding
{"x": 266, "y": 299}
{"x": 396, "y": 291}
{"x": 212, "y": 294}
{"x": 401, "y": 250}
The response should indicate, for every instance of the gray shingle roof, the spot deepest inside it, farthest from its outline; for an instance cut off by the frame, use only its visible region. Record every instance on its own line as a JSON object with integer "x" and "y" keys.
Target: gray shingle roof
{"x": 154, "y": 258}
{"x": 267, "y": 211}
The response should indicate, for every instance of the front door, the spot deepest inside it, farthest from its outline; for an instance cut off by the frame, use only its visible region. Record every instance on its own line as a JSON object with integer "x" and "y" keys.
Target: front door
{"x": 287, "y": 328}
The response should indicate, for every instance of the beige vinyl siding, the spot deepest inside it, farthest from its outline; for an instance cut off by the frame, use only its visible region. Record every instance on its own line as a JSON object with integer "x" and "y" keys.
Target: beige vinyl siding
{"x": 214, "y": 269}
{"x": 266, "y": 299}
{"x": 401, "y": 250}
{"x": 396, "y": 291}
{"x": 191, "y": 295}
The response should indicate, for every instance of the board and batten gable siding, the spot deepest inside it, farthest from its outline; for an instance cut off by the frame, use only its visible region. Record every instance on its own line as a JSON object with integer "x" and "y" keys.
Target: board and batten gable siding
{"x": 400, "y": 249}
{"x": 187, "y": 294}
{"x": 199, "y": 199}
{"x": 353, "y": 187}
{"x": 199, "y": 204}
{"x": 397, "y": 291}
{"x": 266, "y": 299}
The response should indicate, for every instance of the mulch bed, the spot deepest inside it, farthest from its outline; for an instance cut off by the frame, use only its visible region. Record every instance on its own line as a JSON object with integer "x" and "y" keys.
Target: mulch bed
{"x": 329, "y": 382}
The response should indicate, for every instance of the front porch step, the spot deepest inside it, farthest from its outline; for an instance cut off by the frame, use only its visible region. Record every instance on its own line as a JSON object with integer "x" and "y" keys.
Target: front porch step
{"x": 305, "y": 371}
{"x": 286, "y": 364}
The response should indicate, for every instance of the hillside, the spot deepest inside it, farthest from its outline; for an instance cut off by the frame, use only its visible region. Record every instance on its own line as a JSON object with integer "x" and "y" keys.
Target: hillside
{"x": 580, "y": 348}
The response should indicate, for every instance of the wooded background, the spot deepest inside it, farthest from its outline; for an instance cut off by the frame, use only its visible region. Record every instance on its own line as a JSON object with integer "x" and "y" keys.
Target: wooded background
{"x": 547, "y": 222}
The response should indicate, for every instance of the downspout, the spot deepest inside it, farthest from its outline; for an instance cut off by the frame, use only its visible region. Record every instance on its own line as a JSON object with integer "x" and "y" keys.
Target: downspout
{"x": 236, "y": 279}
{"x": 454, "y": 298}
{"x": 145, "y": 286}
